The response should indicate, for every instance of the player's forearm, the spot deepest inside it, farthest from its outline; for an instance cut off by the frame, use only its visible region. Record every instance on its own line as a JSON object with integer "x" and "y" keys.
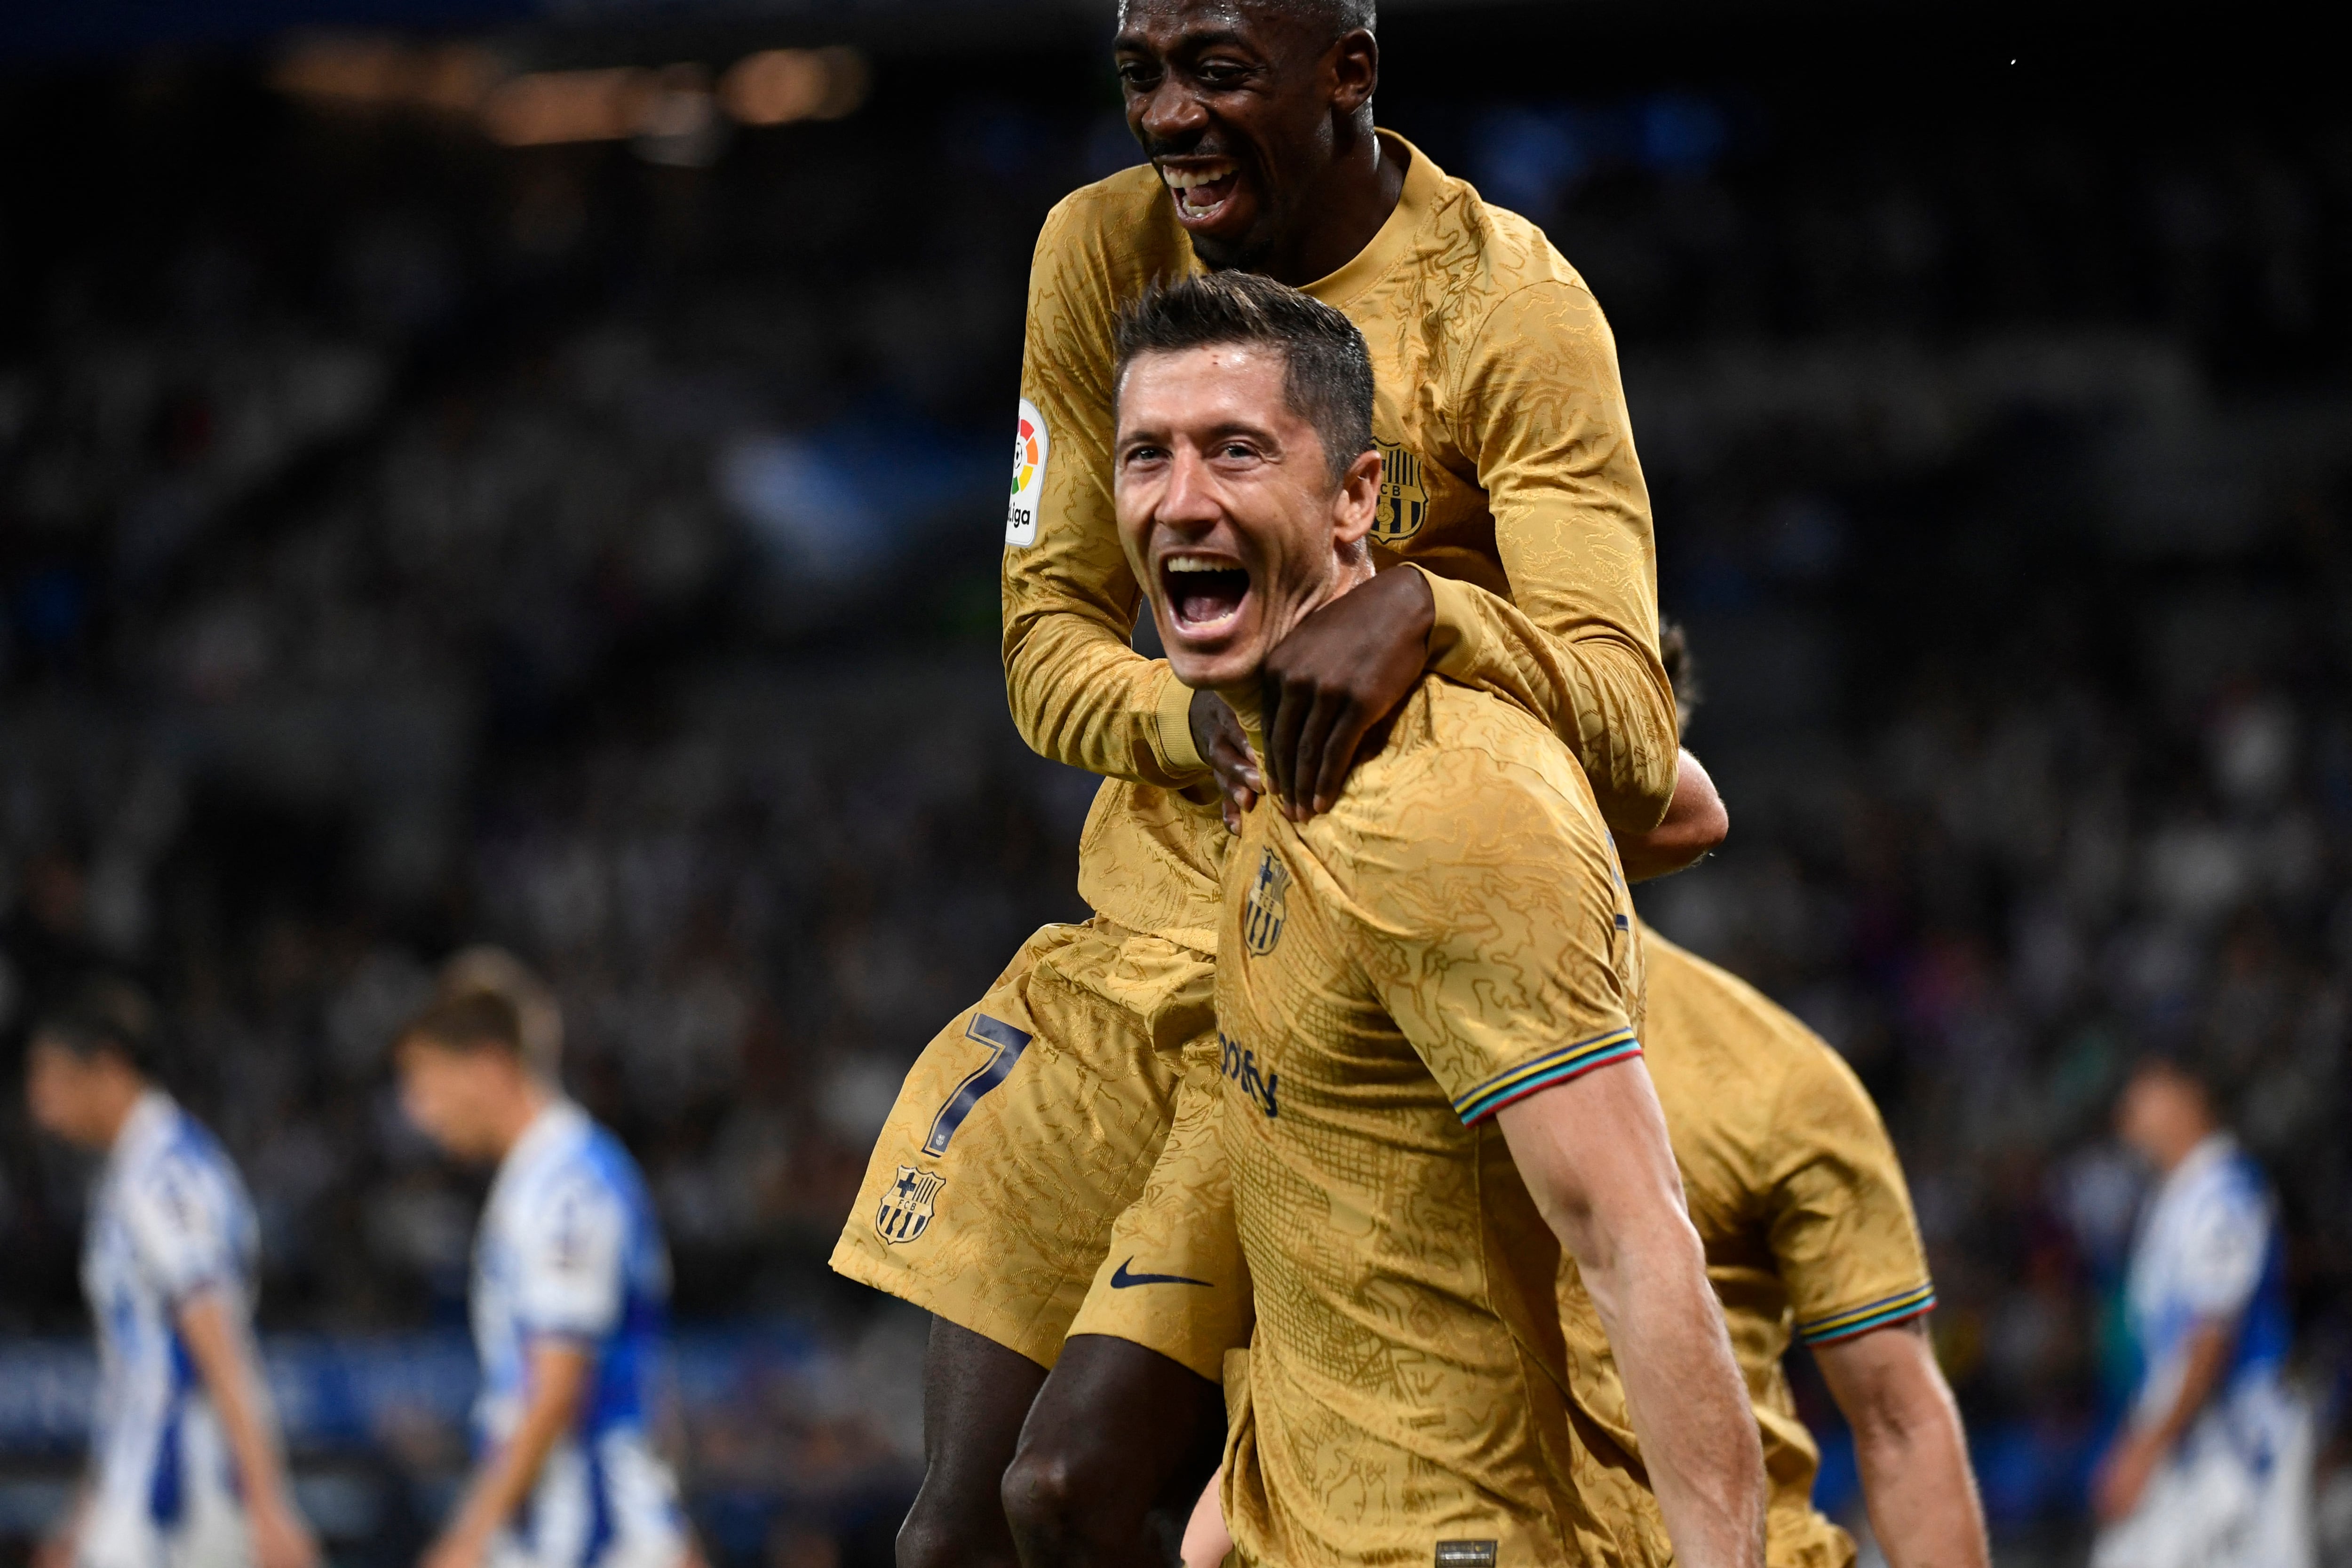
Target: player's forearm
{"x": 1594, "y": 688}
{"x": 1921, "y": 1495}
{"x": 2208, "y": 1354}
{"x": 216, "y": 1343}
{"x": 1910, "y": 1445}
{"x": 1594, "y": 1155}
{"x": 558, "y": 1384}
{"x": 1082, "y": 696}
{"x": 1688, "y": 1402}
{"x": 1696, "y": 824}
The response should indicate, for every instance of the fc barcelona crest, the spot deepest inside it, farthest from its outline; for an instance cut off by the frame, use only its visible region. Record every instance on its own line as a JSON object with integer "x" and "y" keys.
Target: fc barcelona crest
{"x": 1263, "y": 913}
{"x": 905, "y": 1212}
{"x": 1404, "y": 501}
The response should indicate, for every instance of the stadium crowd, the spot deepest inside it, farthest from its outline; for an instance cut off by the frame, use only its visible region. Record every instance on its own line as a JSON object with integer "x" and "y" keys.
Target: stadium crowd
{"x": 594, "y": 556}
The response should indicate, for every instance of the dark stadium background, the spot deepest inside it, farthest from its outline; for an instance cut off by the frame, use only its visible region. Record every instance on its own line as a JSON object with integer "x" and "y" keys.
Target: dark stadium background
{"x": 406, "y": 539}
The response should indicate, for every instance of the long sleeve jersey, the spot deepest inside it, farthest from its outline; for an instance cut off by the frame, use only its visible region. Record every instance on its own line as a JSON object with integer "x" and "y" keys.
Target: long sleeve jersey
{"x": 1508, "y": 477}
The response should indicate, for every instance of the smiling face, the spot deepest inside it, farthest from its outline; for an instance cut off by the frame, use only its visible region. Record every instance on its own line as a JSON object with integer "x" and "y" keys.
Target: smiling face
{"x": 1228, "y": 509}
{"x": 1239, "y": 107}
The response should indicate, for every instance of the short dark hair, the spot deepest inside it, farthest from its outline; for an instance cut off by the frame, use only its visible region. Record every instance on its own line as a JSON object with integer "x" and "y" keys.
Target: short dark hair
{"x": 1682, "y": 671}
{"x": 1326, "y": 370}
{"x": 104, "y": 1015}
{"x": 470, "y": 1021}
{"x": 2182, "y": 1062}
{"x": 1333, "y": 19}
{"x": 1330, "y": 20}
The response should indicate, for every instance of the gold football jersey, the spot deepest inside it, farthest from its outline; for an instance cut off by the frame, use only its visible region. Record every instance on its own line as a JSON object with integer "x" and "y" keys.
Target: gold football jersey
{"x": 1797, "y": 1193}
{"x": 1508, "y": 473}
{"x": 1454, "y": 935}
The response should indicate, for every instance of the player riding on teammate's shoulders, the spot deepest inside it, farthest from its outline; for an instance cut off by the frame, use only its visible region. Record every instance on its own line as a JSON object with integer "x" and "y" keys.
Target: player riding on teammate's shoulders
{"x": 1074, "y": 1246}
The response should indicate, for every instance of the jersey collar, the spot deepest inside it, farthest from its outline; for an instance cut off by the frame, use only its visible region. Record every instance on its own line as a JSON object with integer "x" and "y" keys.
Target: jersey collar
{"x": 556, "y": 1122}
{"x": 2217, "y": 1147}
{"x": 146, "y": 1129}
{"x": 1423, "y": 182}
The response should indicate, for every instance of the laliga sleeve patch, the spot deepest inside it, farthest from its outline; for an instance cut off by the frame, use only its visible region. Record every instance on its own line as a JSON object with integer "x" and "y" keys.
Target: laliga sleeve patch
{"x": 1029, "y": 450}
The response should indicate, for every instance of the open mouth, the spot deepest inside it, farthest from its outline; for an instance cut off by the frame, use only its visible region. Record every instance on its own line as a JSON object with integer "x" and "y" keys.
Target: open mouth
{"x": 1202, "y": 190}
{"x": 1205, "y": 593}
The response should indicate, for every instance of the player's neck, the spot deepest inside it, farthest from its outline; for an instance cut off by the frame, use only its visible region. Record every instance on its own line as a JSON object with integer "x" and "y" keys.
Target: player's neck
{"x": 1246, "y": 697}
{"x": 530, "y": 1098}
{"x": 113, "y": 1113}
{"x": 2189, "y": 1140}
{"x": 1343, "y": 211}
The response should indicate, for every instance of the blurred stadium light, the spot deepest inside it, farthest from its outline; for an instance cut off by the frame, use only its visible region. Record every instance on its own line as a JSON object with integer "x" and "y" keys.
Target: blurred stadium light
{"x": 673, "y": 111}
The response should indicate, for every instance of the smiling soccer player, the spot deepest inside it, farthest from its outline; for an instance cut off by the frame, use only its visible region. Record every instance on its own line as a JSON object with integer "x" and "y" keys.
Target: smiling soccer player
{"x": 1045, "y": 1141}
{"x": 1432, "y": 993}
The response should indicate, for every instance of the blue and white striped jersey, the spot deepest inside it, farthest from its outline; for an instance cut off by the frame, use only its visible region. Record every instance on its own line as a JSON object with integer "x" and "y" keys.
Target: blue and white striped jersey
{"x": 169, "y": 1217}
{"x": 2210, "y": 1249}
{"x": 570, "y": 1248}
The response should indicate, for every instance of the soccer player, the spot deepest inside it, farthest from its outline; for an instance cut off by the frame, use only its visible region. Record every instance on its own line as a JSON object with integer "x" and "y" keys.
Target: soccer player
{"x": 1036, "y": 1117}
{"x": 2213, "y": 1467}
{"x": 186, "y": 1469}
{"x": 1800, "y": 1201}
{"x": 1427, "y": 1005}
{"x": 571, "y": 1288}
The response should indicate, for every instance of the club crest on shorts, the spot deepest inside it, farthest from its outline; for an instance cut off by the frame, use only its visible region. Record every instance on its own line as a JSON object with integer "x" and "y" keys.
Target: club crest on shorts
{"x": 905, "y": 1211}
{"x": 1263, "y": 912}
{"x": 1404, "y": 501}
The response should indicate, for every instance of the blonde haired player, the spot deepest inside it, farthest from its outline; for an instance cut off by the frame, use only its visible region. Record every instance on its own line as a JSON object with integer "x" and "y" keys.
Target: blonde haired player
{"x": 569, "y": 1295}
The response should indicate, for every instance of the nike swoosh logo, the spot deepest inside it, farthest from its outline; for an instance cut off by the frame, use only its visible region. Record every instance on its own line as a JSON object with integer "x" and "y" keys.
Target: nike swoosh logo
{"x": 1120, "y": 1279}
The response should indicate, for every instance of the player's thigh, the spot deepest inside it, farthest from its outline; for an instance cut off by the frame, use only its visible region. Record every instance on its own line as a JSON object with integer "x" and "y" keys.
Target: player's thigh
{"x": 1022, "y": 1130}
{"x": 1172, "y": 1280}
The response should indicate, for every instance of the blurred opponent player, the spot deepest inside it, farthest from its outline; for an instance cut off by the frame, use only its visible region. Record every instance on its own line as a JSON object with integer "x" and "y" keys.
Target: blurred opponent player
{"x": 1428, "y": 1001}
{"x": 2213, "y": 1467}
{"x": 569, "y": 1295}
{"x": 1035, "y": 1119}
{"x": 186, "y": 1469}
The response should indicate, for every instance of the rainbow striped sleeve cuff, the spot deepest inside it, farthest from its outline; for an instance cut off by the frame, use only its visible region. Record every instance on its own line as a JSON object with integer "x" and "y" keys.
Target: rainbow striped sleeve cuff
{"x": 1570, "y": 1061}
{"x": 1834, "y": 1326}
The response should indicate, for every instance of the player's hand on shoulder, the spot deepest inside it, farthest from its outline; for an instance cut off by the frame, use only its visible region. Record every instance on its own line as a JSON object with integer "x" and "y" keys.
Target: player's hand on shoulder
{"x": 1218, "y": 736}
{"x": 1338, "y": 674}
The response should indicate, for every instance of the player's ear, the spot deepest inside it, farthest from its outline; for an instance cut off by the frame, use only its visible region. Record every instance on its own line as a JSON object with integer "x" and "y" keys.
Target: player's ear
{"x": 1356, "y": 500}
{"x": 1353, "y": 69}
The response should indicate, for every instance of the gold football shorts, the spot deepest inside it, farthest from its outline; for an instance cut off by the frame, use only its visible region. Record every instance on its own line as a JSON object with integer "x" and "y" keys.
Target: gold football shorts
{"x": 1026, "y": 1127}
{"x": 1173, "y": 1279}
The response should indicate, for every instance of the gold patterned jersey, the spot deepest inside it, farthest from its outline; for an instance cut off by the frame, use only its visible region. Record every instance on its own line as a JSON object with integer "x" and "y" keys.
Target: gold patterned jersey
{"x": 1509, "y": 474}
{"x": 1799, "y": 1197}
{"x": 1456, "y": 934}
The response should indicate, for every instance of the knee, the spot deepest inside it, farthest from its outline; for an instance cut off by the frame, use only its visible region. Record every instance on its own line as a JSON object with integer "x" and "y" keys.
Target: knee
{"x": 936, "y": 1537}
{"x": 1045, "y": 1498}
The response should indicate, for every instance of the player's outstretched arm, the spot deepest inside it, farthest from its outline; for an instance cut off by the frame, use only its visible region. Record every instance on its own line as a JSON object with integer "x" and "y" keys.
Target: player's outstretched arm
{"x": 558, "y": 1384}
{"x": 1909, "y": 1441}
{"x": 1594, "y": 1155}
{"x": 214, "y": 1336}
